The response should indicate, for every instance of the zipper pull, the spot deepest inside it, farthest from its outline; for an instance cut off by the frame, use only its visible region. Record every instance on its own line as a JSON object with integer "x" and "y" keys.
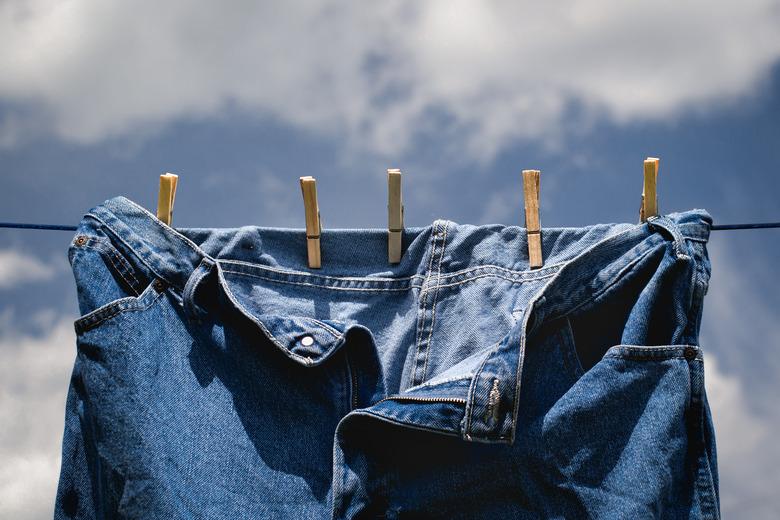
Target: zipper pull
{"x": 492, "y": 405}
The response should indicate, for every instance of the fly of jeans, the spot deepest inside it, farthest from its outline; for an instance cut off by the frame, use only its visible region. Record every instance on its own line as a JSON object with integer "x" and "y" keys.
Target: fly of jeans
{"x": 353, "y": 383}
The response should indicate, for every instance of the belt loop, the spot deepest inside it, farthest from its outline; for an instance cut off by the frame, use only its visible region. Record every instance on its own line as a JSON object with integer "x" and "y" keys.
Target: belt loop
{"x": 190, "y": 288}
{"x": 660, "y": 222}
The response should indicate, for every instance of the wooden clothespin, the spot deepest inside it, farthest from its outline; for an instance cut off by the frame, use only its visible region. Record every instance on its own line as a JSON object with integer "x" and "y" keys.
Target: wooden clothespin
{"x": 313, "y": 221}
{"x": 167, "y": 197}
{"x": 395, "y": 215}
{"x": 649, "y": 205}
{"x": 531, "y": 196}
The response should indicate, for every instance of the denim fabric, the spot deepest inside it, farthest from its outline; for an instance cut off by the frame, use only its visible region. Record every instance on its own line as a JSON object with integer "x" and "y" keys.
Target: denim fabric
{"x": 217, "y": 376}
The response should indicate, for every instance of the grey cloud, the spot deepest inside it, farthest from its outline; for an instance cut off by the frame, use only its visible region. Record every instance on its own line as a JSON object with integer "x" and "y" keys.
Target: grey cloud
{"x": 34, "y": 375}
{"x": 740, "y": 336}
{"x": 377, "y": 75}
{"x": 17, "y": 268}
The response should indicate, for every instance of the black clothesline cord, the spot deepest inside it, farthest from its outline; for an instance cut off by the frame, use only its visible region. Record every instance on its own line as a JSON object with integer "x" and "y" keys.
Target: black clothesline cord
{"x": 757, "y": 225}
{"x": 51, "y": 227}
{"x": 58, "y": 227}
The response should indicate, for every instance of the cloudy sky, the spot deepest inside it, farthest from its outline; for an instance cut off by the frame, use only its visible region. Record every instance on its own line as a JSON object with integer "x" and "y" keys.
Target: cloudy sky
{"x": 98, "y": 98}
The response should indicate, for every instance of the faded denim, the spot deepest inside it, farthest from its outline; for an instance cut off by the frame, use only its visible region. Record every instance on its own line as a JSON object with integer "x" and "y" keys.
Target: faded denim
{"x": 217, "y": 376}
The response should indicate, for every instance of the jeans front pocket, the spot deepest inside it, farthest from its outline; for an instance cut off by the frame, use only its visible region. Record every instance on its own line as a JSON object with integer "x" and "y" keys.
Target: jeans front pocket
{"x": 111, "y": 278}
{"x": 631, "y": 430}
{"x": 114, "y": 308}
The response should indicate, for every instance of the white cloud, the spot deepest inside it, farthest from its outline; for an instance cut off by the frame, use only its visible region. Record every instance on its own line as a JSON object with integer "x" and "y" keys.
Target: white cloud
{"x": 34, "y": 376}
{"x": 17, "y": 268}
{"x": 378, "y": 75}
{"x": 28, "y": 484}
{"x": 747, "y": 455}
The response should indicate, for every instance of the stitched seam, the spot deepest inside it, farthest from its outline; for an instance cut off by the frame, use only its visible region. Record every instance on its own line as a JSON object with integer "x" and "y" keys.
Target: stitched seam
{"x": 421, "y": 315}
{"x": 96, "y": 314}
{"x": 672, "y": 228}
{"x": 513, "y": 280}
{"x": 414, "y": 286}
{"x": 520, "y": 273}
{"x": 655, "y": 348}
{"x": 525, "y": 274}
{"x": 437, "y": 240}
{"x": 519, "y": 369}
{"x": 113, "y": 258}
{"x": 308, "y": 284}
{"x": 424, "y": 294}
{"x": 435, "y": 299}
{"x": 117, "y": 268}
{"x": 128, "y": 270}
{"x": 167, "y": 230}
{"x": 141, "y": 256}
{"x": 638, "y": 357}
{"x": 335, "y": 333}
{"x": 255, "y": 320}
{"x": 705, "y": 479}
{"x": 260, "y": 324}
{"x": 615, "y": 279}
{"x": 120, "y": 264}
{"x": 88, "y": 324}
{"x": 316, "y": 276}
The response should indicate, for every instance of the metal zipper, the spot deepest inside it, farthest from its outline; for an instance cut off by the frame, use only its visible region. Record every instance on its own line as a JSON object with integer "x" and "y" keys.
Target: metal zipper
{"x": 353, "y": 381}
{"x": 456, "y": 400}
{"x": 493, "y": 398}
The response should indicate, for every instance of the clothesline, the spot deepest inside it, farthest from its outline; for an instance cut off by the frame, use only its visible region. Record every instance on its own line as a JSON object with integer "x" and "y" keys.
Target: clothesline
{"x": 61, "y": 227}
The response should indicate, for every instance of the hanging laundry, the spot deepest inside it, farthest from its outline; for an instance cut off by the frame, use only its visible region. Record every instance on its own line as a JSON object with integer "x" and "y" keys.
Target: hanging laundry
{"x": 218, "y": 376}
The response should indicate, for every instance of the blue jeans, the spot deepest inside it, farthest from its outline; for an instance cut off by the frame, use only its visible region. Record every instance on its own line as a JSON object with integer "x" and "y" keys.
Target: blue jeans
{"x": 217, "y": 376}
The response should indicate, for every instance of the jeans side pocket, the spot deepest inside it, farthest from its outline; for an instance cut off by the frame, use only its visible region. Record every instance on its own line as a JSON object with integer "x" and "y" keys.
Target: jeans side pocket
{"x": 620, "y": 438}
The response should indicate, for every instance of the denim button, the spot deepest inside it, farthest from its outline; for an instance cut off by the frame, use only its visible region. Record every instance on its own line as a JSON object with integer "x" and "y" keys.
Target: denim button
{"x": 690, "y": 353}
{"x": 81, "y": 240}
{"x": 307, "y": 341}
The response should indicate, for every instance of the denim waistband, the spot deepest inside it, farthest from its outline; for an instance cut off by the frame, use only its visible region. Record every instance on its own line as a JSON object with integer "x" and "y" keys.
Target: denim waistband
{"x": 358, "y": 257}
{"x": 579, "y": 262}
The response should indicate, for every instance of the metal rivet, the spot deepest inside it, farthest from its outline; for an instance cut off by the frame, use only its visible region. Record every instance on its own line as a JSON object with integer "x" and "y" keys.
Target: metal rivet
{"x": 158, "y": 285}
{"x": 689, "y": 353}
{"x": 307, "y": 341}
{"x": 81, "y": 240}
